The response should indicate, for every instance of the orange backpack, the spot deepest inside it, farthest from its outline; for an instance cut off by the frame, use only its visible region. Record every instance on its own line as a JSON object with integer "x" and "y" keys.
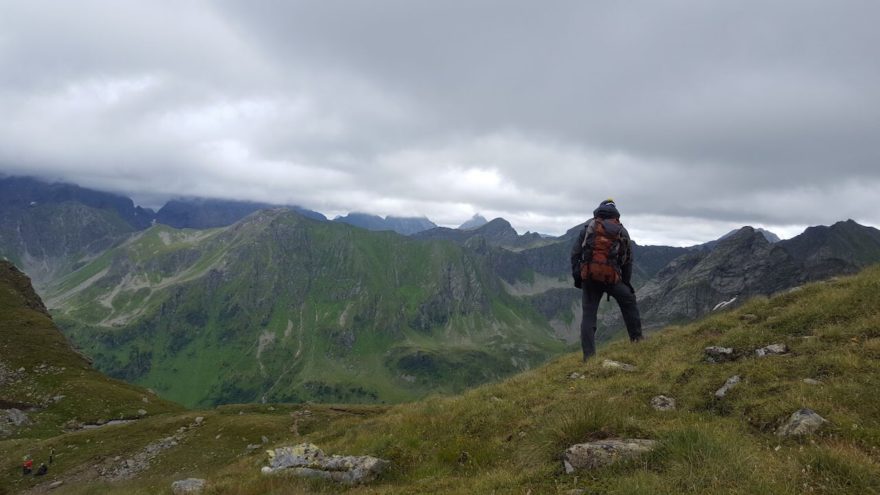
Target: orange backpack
{"x": 600, "y": 252}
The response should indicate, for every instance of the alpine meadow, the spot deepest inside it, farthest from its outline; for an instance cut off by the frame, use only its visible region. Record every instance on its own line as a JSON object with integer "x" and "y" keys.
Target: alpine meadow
{"x": 494, "y": 247}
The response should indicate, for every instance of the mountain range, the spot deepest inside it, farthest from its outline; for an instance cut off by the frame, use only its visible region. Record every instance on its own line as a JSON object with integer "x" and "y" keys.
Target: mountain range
{"x": 286, "y": 306}
{"x": 796, "y": 412}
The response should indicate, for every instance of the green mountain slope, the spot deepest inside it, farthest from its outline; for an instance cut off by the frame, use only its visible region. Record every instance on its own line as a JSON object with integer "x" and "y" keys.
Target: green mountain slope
{"x": 509, "y": 437}
{"x": 42, "y": 376}
{"x": 282, "y": 308}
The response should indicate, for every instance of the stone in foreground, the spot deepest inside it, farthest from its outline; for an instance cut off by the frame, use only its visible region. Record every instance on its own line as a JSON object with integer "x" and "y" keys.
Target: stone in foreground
{"x": 594, "y": 455}
{"x": 771, "y": 350}
{"x": 716, "y": 354}
{"x": 801, "y": 422}
{"x": 617, "y": 365}
{"x": 729, "y": 384}
{"x": 187, "y": 486}
{"x": 308, "y": 461}
{"x": 663, "y": 403}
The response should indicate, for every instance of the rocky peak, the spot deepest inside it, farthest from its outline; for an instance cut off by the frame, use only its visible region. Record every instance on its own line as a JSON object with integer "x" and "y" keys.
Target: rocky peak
{"x": 475, "y": 222}
{"x": 20, "y": 287}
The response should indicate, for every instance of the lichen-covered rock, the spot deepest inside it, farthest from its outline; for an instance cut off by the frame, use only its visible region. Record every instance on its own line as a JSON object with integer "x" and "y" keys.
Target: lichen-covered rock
{"x": 308, "y": 461}
{"x": 593, "y": 455}
{"x": 812, "y": 381}
{"x": 729, "y": 384}
{"x": 717, "y": 354}
{"x": 187, "y": 486}
{"x": 16, "y": 417}
{"x": 801, "y": 422}
{"x": 771, "y": 350}
{"x": 663, "y": 403}
{"x": 617, "y": 365}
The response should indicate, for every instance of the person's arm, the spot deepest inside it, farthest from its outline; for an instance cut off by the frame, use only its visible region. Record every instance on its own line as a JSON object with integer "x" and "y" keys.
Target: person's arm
{"x": 576, "y": 252}
{"x": 625, "y": 258}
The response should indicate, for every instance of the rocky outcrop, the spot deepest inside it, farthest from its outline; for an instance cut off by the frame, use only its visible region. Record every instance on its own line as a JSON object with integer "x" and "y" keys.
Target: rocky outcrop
{"x": 771, "y": 350}
{"x": 663, "y": 403}
{"x": 717, "y": 354}
{"x": 617, "y": 365}
{"x": 188, "y": 486}
{"x": 728, "y": 385}
{"x": 308, "y": 461}
{"x": 594, "y": 455}
{"x": 801, "y": 422}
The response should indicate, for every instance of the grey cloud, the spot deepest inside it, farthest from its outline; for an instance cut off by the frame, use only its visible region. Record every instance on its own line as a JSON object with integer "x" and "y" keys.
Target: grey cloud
{"x": 715, "y": 114}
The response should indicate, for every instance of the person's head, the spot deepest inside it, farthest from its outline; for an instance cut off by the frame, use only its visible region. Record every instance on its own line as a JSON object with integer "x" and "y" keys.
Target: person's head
{"x": 606, "y": 209}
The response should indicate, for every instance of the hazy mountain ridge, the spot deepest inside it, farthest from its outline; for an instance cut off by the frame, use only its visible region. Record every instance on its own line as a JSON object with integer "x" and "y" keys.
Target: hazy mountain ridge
{"x": 204, "y": 213}
{"x": 401, "y": 225}
{"x": 498, "y": 233}
{"x": 18, "y": 193}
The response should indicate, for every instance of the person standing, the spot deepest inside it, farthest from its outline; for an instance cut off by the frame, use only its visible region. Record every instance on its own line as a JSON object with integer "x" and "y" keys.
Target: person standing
{"x": 601, "y": 263}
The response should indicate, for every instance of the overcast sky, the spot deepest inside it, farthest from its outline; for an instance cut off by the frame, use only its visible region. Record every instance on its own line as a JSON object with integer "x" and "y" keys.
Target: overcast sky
{"x": 696, "y": 116}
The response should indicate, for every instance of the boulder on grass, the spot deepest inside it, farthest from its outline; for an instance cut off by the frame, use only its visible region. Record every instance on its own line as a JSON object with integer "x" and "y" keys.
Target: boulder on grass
{"x": 594, "y": 455}
{"x": 188, "y": 486}
{"x": 663, "y": 403}
{"x": 717, "y": 354}
{"x": 801, "y": 422}
{"x": 308, "y": 461}
{"x": 771, "y": 350}
{"x": 617, "y": 365}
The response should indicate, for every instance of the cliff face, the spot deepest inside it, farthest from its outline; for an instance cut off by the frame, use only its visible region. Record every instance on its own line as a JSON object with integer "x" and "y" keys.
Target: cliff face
{"x": 742, "y": 265}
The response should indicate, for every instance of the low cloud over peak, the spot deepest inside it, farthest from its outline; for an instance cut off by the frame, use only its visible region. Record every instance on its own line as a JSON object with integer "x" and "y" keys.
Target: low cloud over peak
{"x": 705, "y": 115}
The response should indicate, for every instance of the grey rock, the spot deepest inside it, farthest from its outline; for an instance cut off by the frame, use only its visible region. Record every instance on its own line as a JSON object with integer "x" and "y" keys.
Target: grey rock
{"x": 811, "y": 381}
{"x": 717, "y": 354}
{"x": 663, "y": 403}
{"x": 594, "y": 455}
{"x": 17, "y": 417}
{"x": 142, "y": 412}
{"x": 264, "y": 439}
{"x": 575, "y": 376}
{"x": 771, "y": 350}
{"x": 308, "y": 461}
{"x": 729, "y": 384}
{"x": 617, "y": 365}
{"x": 254, "y": 446}
{"x": 801, "y": 422}
{"x": 199, "y": 420}
{"x": 189, "y": 485}
{"x": 55, "y": 484}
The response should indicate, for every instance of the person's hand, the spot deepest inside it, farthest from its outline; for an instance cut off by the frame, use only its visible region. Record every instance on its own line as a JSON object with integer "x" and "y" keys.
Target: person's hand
{"x": 578, "y": 283}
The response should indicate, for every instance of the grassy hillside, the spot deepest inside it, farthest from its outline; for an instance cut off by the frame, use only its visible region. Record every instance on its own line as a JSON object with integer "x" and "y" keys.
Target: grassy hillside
{"x": 281, "y": 308}
{"x": 508, "y": 437}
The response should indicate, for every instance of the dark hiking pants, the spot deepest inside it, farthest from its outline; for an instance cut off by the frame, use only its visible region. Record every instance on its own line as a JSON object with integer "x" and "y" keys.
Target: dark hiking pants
{"x": 593, "y": 293}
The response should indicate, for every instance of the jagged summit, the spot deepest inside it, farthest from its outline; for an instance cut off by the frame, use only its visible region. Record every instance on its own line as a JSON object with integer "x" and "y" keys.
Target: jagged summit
{"x": 475, "y": 222}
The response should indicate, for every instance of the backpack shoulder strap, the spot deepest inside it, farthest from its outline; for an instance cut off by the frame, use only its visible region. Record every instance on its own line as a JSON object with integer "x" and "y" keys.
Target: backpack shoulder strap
{"x": 589, "y": 227}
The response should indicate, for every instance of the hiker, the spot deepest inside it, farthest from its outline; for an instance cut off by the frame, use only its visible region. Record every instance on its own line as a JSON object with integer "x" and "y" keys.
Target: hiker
{"x": 43, "y": 469}
{"x": 601, "y": 263}
{"x": 27, "y": 466}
